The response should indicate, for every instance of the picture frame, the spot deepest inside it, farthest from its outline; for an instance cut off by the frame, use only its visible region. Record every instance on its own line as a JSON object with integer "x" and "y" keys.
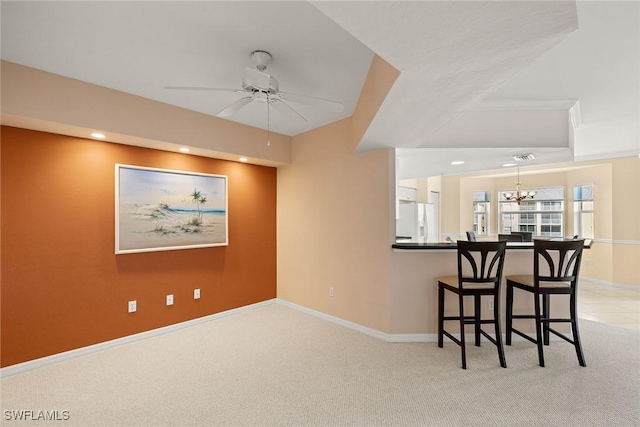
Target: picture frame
{"x": 163, "y": 209}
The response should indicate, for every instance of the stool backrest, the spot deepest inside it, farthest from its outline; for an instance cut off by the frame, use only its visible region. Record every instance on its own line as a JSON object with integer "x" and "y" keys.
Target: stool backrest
{"x": 557, "y": 261}
{"x": 471, "y": 236}
{"x": 527, "y": 236}
{"x": 510, "y": 237}
{"x": 480, "y": 262}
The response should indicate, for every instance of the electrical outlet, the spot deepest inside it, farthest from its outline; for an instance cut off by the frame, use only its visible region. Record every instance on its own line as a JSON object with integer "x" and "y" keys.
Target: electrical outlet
{"x": 170, "y": 299}
{"x": 132, "y": 306}
{"x": 196, "y": 294}
{"x": 490, "y": 304}
{"x": 331, "y": 293}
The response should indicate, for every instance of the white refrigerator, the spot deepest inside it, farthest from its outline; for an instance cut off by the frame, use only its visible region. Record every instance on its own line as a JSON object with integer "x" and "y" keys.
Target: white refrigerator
{"x": 416, "y": 223}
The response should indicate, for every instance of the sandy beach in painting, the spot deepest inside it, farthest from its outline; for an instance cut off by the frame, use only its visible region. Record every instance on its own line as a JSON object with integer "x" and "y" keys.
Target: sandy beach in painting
{"x": 158, "y": 226}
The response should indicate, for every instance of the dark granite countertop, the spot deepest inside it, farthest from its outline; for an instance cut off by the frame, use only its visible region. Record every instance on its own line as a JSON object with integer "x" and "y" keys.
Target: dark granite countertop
{"x": 453, "y": 246}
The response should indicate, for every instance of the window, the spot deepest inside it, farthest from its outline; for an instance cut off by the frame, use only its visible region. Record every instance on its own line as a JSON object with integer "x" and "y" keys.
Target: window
{"x": 481, "y": 208}
{"x": 583, "y": 211}
{"x": 528, "y": 218}
{"x": 542, "y": 216}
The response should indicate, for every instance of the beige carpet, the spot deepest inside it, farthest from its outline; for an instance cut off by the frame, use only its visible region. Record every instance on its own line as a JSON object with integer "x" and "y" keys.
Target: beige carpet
{"x": 276, "y": 366}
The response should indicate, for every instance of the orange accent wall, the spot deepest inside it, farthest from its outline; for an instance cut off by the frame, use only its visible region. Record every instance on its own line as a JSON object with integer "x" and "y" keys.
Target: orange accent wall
{"x": 62, "y": 286}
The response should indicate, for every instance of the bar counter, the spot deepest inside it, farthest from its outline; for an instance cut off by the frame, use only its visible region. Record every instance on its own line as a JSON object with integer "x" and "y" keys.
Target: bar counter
{"x": 415, "y": 268}
{"x": 452, "y": 246}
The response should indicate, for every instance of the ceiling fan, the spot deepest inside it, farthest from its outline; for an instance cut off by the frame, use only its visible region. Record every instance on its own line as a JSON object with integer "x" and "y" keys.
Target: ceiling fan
{"x": 258, "y": 86}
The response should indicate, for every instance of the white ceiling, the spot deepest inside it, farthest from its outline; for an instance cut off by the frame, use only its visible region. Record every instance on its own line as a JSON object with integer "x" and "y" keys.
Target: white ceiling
{"x": 141, "y": 47}
{"x": 480, "y": 81}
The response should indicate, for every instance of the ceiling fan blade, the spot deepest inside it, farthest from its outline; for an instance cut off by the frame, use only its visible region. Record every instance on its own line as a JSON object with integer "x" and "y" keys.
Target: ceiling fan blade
{"x": 258, "y": 78}
{"x": 285, "y": 109}
{"x": 220, "y": 89}
{"x": 231, "y": 109}
{"x": 327, "y": 104}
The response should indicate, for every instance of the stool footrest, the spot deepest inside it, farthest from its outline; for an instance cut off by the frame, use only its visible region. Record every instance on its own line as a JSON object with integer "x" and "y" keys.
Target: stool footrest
{"x": 470, "y": 320}
{"x": 523, "y": 316}
{"x": 525, "y": 336}
{"x": 452, "y": 338}
{"x": 489, "y": 337}
{"x": 457, "y": 341}
{"x": 543, "y": 320}
{"x": 564, "y": 337}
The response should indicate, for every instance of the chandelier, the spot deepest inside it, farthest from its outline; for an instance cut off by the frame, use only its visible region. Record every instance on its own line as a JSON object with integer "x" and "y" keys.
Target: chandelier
{"x": 519, "y": 196}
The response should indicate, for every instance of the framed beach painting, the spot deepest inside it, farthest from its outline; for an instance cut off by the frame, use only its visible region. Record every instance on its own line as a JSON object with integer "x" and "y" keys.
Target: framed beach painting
{"x": 162, "y": 210}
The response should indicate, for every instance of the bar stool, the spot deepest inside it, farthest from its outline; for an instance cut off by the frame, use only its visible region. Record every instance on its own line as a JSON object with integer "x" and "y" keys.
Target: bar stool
{"x": 560, "y": 267}
{"x": 479, "y": 273}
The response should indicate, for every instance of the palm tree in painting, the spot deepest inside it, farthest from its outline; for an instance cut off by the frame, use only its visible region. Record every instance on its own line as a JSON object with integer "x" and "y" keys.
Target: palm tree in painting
{"x": 203, "y": 200}
{"x": 200, "y": 200}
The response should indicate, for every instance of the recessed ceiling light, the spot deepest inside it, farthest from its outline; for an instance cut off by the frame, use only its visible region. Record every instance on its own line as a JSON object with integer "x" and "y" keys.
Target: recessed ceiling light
{"x": 184, "y": 149}
{"x": 98, "y": 135}
{"x": 457, "y": 162}
{"x": 243, "y": 159}
{"x": 506, "y": 165}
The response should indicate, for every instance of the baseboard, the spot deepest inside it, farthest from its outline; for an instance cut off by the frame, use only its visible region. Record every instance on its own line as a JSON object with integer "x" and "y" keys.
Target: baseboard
{"x": 616, "y": 241}
{"x": 611, "y": 284}
{"x": 337, "y": 320}
{"x": 72, "y": 354}
{"x": 392, "y": 338}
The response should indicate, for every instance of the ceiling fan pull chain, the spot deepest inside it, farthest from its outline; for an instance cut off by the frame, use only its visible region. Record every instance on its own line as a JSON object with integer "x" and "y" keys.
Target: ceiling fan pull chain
{"x": 268, "y": 125}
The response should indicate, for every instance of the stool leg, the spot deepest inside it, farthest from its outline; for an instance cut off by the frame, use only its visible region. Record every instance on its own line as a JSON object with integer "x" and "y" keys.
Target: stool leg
{"x": 538, "y": 320}
{"x": 509, "y": 313}
{"x": 545, "y": 314}
{"x": 496, "y": 318}
{"x": 462, "y": 344}
{"x": 440, "y": 315}
{"x": 476, "y": 314}
{"x": 575, "y": 331}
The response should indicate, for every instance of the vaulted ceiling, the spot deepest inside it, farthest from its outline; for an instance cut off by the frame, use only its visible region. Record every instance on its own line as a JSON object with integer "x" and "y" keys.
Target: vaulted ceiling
{"x": 479, "y": 81}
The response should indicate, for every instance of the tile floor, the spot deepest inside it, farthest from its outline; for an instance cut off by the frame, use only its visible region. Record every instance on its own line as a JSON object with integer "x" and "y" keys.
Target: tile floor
{"x": 608, "y": 304}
